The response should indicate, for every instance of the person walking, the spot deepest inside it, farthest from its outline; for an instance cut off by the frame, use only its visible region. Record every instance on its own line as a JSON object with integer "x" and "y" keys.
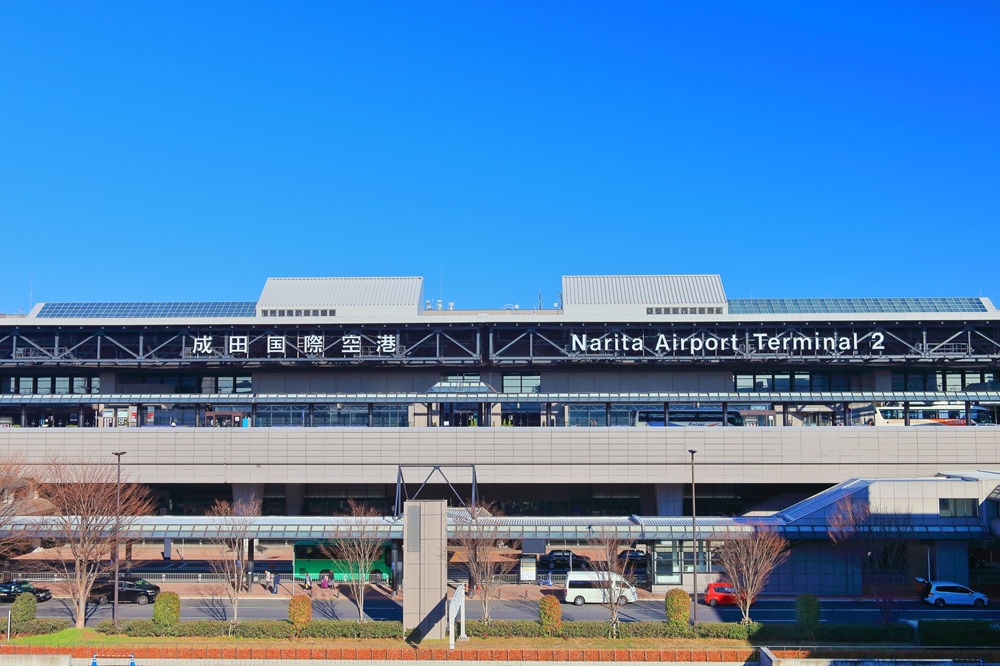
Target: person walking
{"x": 308, "y": 583}
{"x": 268, "y": 581}
{"x": 277, "y": 582}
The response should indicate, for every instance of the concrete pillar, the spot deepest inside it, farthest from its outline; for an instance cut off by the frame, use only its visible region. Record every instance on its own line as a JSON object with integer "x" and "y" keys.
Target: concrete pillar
{"x": 247, "y": 492}
{"x": 294, "y": 498}
{"x": 425, "y": 551}
{"x": 670, "y": 499}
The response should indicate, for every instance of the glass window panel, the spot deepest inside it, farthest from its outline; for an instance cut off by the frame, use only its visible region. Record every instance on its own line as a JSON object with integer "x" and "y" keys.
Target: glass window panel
{"x": 44, "y": 385}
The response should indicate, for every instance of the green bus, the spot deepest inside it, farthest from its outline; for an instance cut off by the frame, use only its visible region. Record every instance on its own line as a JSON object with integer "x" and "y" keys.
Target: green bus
{"x": 313, "y": 557}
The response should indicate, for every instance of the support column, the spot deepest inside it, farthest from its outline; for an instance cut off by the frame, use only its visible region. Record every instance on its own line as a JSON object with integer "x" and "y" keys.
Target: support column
{"x": 294, "y": 498}
{"x": 607, "y": 414}
{"x": 725, "y": 413}
{"x": 669, "y": 499}
{"x": 906, "y": 413}
{"x": 425, "y": 551}
{"x": 246, "y": 492}
{"x": 968, "y": 413}
{"x": 371, "y": 415}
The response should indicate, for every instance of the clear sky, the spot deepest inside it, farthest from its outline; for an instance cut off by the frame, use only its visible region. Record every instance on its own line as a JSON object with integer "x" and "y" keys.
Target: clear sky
{"x": 154, "y": 151}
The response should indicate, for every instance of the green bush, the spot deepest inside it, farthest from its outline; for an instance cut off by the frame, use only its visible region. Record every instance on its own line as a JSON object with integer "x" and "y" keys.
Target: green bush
{"x": 807, "y": 612}
{"x": 678, "y": 607}
{"x": 550, "y": 614}
{"x": 264, "y": 629}
{"x": 38, "y": 626}
{"x": 508, "y": 629}
{"x": 23, "y": 608}
{"x": 836, "y": 633}
{"x": 351, "y": 629}
{"x": 300, "y": 610}
{"x": 734, "y": 630}
{"x": 200, "y": 629}
{"x": 972, "y": 633}
{"x": 135, "y": 628}
{"x": 167, "y": 610}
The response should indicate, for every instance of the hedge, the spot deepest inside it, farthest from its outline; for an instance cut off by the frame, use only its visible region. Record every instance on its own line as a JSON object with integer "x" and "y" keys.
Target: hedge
{"x": 264, "y": 629}
{"x": 969, "y": 633}
{"x": 352, "y": 629}
{"x": 677, "y": 606}
{"x": 40, "y": 625}
{"x": 836, "y": 633}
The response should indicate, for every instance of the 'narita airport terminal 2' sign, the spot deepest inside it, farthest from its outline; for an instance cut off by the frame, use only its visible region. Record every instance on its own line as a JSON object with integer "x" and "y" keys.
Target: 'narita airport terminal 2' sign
{"x": 703, "y": 343}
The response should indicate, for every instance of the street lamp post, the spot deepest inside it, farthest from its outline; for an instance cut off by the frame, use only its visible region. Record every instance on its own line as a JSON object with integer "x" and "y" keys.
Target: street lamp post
{"x": 694, "y": 543}
{"x": 118, "y": 518}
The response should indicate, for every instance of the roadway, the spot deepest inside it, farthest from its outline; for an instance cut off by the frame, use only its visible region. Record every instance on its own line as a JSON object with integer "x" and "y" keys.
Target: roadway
{"x": 380, "y": 607}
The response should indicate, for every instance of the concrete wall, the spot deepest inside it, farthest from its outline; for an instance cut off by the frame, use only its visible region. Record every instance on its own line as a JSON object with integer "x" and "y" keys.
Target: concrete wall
{"x": 516, "y": 455}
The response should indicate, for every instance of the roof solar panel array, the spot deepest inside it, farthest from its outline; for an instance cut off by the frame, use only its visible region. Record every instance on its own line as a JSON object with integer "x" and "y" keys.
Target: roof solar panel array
{"x": 138, "y": 310}
{"x": 853, "y": 305}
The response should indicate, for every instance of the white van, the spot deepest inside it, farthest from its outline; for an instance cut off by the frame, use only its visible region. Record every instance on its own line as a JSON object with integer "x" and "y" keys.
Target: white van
{"x": 597, "y": 587}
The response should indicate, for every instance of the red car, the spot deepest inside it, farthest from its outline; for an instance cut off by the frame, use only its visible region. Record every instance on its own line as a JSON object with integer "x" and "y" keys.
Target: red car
{"x": 720, "y": 593}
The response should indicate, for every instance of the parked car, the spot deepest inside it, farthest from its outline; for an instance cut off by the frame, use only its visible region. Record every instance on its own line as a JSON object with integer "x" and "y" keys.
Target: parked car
{"x": 130, "y": 591}
{"x": 10, "y": 590}
{"x": 636, "y": 565}
{"x": 563, "y": 561}
{"x": 947, "y": 593}
{"x": 720, "y": 594}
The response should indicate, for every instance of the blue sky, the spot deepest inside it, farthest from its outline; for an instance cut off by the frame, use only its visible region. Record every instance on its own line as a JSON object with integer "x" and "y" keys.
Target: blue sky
{"x": 187, "y": 151}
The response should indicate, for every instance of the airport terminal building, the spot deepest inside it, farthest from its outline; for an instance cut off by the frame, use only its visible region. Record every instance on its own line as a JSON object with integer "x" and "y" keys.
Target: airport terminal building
{"x": 332, "y": 388}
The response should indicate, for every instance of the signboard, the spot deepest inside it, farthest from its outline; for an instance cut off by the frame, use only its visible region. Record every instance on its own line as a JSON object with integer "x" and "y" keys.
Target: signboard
{"x": 529, "y": 568}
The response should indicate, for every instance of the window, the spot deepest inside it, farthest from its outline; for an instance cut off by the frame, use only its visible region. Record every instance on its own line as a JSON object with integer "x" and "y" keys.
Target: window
{"x": 527, "y": 383}
{"x": 958, "y": 507}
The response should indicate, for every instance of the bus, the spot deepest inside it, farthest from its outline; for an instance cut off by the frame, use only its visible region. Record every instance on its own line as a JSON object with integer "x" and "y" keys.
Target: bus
{"x": 936, "y": 414}
{"x": 313, "y": 557}
{"x": 691, "y": 416}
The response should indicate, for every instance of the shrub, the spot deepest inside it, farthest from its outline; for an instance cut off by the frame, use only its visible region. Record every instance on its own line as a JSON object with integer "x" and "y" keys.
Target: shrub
{"x": 200, "y": 629}
{"x": 509, "y": 629}
{"x": 352, "y": 629}
{"x": 550, "y": 614}
{"x": 23, "y": 608}
{"x": 959, "y": 632}
{"x": 264, "y": 629}
{"x": 167, "y": 610}
{"x": 807, "y": 612}
{"x": 37, "y": 626}
{"x": 138, "y": 628}
{"x": 678, "y": 607}
{"x": 300, "y": 610}
{"x": 735, "y": 630}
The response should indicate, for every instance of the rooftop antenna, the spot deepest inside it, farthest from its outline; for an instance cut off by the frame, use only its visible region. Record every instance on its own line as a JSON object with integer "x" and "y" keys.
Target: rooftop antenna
{"x": 539, "y": 300}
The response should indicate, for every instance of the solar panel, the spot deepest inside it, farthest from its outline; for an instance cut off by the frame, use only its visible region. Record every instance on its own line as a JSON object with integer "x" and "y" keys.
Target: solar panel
{"x": 137, "y": 310}
{"x": 752, "y": 306}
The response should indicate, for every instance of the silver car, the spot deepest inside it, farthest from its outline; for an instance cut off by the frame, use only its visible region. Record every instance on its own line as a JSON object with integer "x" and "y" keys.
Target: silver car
{"x": 947, "y": 593}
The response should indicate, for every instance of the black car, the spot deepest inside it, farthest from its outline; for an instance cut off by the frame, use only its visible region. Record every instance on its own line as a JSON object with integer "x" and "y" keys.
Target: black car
{"x": 130, "y": 591}
{"x": 562, "y": 561}
{"x": 10, "y": 590}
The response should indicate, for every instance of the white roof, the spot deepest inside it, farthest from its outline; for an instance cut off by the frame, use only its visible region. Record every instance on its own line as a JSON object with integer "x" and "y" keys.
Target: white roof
{"x": 383, "y": 294}
{"x": 634, "y": 293}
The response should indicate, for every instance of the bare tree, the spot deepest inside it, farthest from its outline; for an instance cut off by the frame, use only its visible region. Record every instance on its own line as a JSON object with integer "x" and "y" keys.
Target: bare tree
{"x": 876, "y": 542}
{"x": 87, "y": 524}
{"x": 613, "y": 573}
{"x": 478, "y": 534}
{"x": 18, "y": 497}
{"x": 360, "y": 550}
{"x": 749, "y": 561}
{"x": 235, "y": 522}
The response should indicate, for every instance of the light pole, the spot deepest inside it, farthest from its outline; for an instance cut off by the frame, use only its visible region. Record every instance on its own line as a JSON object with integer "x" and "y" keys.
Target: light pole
{"x": 118, "y": 518}
{"x": 694, "y": 544}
